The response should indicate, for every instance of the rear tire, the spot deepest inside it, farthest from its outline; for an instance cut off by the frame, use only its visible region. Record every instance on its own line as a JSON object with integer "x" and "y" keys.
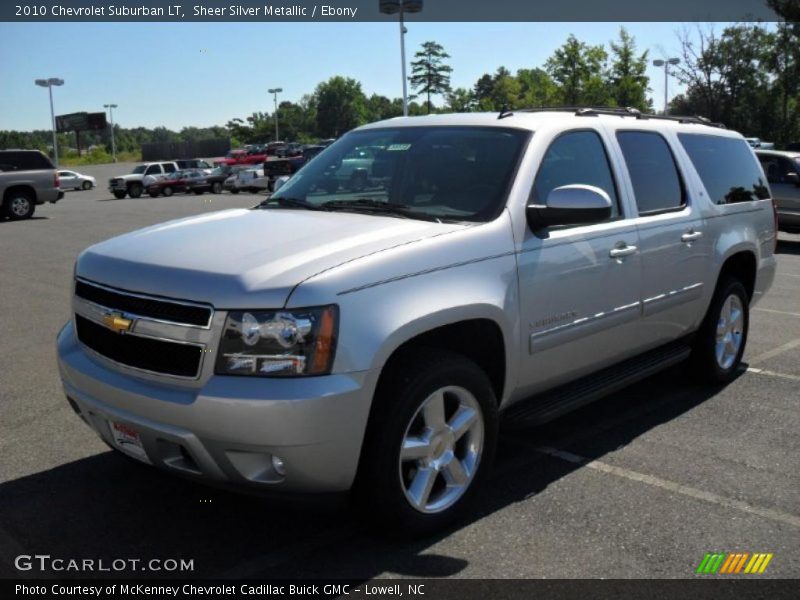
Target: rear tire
{"x": 719, "y": 345}
{"x": 19, "y": 205}
{"x": 153, "y": 194}
{"x": 135, "y": 190}
{"x": 234, "y": 191}
{"x": 429, "y": 444}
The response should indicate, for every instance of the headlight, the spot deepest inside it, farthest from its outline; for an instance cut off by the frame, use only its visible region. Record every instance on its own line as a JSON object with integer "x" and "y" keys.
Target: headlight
{"x": 278, "y": 343}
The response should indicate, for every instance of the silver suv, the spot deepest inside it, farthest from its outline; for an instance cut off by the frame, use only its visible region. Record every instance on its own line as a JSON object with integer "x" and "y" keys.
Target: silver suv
{"x": 27, "y": 178}
{"x": 367, "y": 332}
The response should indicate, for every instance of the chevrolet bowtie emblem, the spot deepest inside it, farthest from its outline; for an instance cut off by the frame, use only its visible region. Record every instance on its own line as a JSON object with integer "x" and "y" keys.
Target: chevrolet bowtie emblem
{"x": 117, "y": 323}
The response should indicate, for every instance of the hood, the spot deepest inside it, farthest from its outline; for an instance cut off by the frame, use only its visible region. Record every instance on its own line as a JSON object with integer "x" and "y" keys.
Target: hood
{"x": 130, "y": 176}
{"x": 244, "y": 258}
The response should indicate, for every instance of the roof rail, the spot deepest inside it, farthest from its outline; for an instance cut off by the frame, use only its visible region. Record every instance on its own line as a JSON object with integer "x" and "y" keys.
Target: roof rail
{"x": 618, "y": 111}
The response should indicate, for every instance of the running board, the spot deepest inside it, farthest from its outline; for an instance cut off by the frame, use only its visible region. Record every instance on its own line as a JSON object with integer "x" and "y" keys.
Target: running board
{"x": 566, "y": 398}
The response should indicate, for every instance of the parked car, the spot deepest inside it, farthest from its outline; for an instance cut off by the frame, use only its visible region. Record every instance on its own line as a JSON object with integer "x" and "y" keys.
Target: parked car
{"x": 140, "y": 179}
{"x": 27, "y": 178}
{"x": 783, "y": 174}
{"x": 249, "y": 180}
{"x": 757, "y": 143}
{"x": 176, "y": 182}
{"x": 212, "y": 182}
{"x": 280, "y": 169}
{"x": 76, "y": 181}
{"x": 332, "y": 341}
{"x": 193, "y": 163}
{"x": 253, "y": 156}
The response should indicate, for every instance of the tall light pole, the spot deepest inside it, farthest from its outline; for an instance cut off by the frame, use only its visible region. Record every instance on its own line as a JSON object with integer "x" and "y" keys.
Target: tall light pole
{"x": 390, "y": 7}
{"x": 275, "y": 92}
{"x": 111, "y": 108}
{"x": 666, "y": 63}
{"x": 49, "y": 83}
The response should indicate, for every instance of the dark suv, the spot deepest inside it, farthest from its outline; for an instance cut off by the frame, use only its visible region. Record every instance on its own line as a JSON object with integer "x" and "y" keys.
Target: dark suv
{"x": 27, "y": 178}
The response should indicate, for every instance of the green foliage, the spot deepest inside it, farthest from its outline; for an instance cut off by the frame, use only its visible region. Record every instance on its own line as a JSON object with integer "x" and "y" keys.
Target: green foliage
{"x": 579, "y": 70}
{"x": 429, "y": 73}
{"x": 627, "y": 78}
{"x": 340, "y": 105}
{"x": 746, "y": 77}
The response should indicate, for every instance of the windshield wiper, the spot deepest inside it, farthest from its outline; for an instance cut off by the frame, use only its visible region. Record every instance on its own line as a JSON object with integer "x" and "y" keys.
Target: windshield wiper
{"x": 289, "y": 203}
{"x": 370, "y": 205}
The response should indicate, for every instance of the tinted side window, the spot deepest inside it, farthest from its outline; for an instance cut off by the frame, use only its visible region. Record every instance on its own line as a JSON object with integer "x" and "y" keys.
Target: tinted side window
{"x": 24, "y": 161}
{"x": 656, "y": 182}
{"x": 575, "y": 157}
{"x": 169, "y": 168}
{"x": 727, "y": 167}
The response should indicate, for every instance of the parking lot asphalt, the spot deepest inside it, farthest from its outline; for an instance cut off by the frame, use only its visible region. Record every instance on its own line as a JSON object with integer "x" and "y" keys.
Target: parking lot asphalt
{"x": 640, "y": 484}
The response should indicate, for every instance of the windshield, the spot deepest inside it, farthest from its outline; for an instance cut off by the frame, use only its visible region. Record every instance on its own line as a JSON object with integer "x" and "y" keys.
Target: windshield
{"x": 449, "y": 173}
{"x": 138, "y": 170}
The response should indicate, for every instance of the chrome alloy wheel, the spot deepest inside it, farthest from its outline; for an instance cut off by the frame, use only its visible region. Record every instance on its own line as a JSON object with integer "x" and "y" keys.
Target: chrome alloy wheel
{"x": 20, "y": 206}
{"x": 441, "y": 449}
{"x": 730, "y": 328}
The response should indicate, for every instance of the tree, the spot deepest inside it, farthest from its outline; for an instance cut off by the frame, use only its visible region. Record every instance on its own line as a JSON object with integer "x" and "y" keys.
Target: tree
{"x": 482, "y": 92}
{"x": 537, "y": 88}
{"x": 340, "y": 106}
{"x": 579, "y": 70}
{"x": 628, "y": 73}
{"x": 429, "y": 73}
{"x": 460, "y": 100}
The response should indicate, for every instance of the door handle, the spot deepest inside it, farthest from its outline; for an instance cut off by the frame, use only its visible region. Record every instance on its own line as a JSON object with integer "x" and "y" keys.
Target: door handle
{"x": 691, "y": 236}
{"x": 622, "y": 251}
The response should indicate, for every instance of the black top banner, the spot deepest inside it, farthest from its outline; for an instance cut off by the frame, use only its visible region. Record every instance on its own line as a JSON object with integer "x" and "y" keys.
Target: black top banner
{"x": 385, "y": 10}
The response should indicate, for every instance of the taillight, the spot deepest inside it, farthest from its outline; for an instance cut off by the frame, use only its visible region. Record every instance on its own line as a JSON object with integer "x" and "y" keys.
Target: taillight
{"x": 58, "y": 180}
{"x": 775, "y": 216}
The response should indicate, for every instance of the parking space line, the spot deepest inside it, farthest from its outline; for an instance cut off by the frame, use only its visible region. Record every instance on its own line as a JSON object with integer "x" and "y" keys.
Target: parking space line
{"x": 775, "y": 352}
{"x": 778, "y": 312}
{"x": 773, "y": 374}
{"x": 672, "y": 486}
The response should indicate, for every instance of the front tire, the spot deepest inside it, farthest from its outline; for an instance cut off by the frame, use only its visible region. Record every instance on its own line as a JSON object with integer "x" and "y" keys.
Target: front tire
{"x": 120, "y": 195}
{"x": 168, "y": 191}
{"x": 216, "y": 187}
{"x": 135, "y": 190}
{"x": 430, "y": 441}
{"x": 720, "y": 342}
{"x": 87, "y": 185}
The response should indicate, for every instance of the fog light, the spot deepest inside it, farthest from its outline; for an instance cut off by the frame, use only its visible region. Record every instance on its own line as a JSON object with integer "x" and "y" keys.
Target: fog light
{"x": 277, "y": 464}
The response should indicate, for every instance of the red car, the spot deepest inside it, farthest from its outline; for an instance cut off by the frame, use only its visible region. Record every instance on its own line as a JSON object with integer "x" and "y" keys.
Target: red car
{"x": 253, "y": 156}
{"x": 175, "y": 182}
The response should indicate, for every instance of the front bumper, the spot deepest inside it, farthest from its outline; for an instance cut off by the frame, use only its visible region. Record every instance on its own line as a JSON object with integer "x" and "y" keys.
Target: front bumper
{"x": 226, "y": 430}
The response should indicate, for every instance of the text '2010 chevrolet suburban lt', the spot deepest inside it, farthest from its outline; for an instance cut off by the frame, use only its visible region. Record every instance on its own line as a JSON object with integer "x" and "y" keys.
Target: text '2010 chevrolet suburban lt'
{"x": 365, "y": 327}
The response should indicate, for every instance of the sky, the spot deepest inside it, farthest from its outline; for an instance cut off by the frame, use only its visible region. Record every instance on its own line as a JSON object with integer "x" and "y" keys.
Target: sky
{"x": 203, "y": 74}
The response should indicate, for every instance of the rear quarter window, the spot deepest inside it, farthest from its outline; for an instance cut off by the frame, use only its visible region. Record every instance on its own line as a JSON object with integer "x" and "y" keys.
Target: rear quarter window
{"x": 727, "y": 166}
{"x": 24, "y": 161}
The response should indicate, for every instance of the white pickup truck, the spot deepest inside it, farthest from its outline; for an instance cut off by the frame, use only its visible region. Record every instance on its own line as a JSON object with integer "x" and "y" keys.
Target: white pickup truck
{"x": 136, "y": 182}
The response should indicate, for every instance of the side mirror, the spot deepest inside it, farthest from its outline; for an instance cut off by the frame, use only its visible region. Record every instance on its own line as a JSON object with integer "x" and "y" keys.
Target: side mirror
{"x": 574, "y": 204}
{"x": 792, "y": 177}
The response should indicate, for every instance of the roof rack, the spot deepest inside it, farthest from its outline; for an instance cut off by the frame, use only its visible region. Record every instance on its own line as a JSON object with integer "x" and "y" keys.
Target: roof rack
{"x": 593, "y": 111}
